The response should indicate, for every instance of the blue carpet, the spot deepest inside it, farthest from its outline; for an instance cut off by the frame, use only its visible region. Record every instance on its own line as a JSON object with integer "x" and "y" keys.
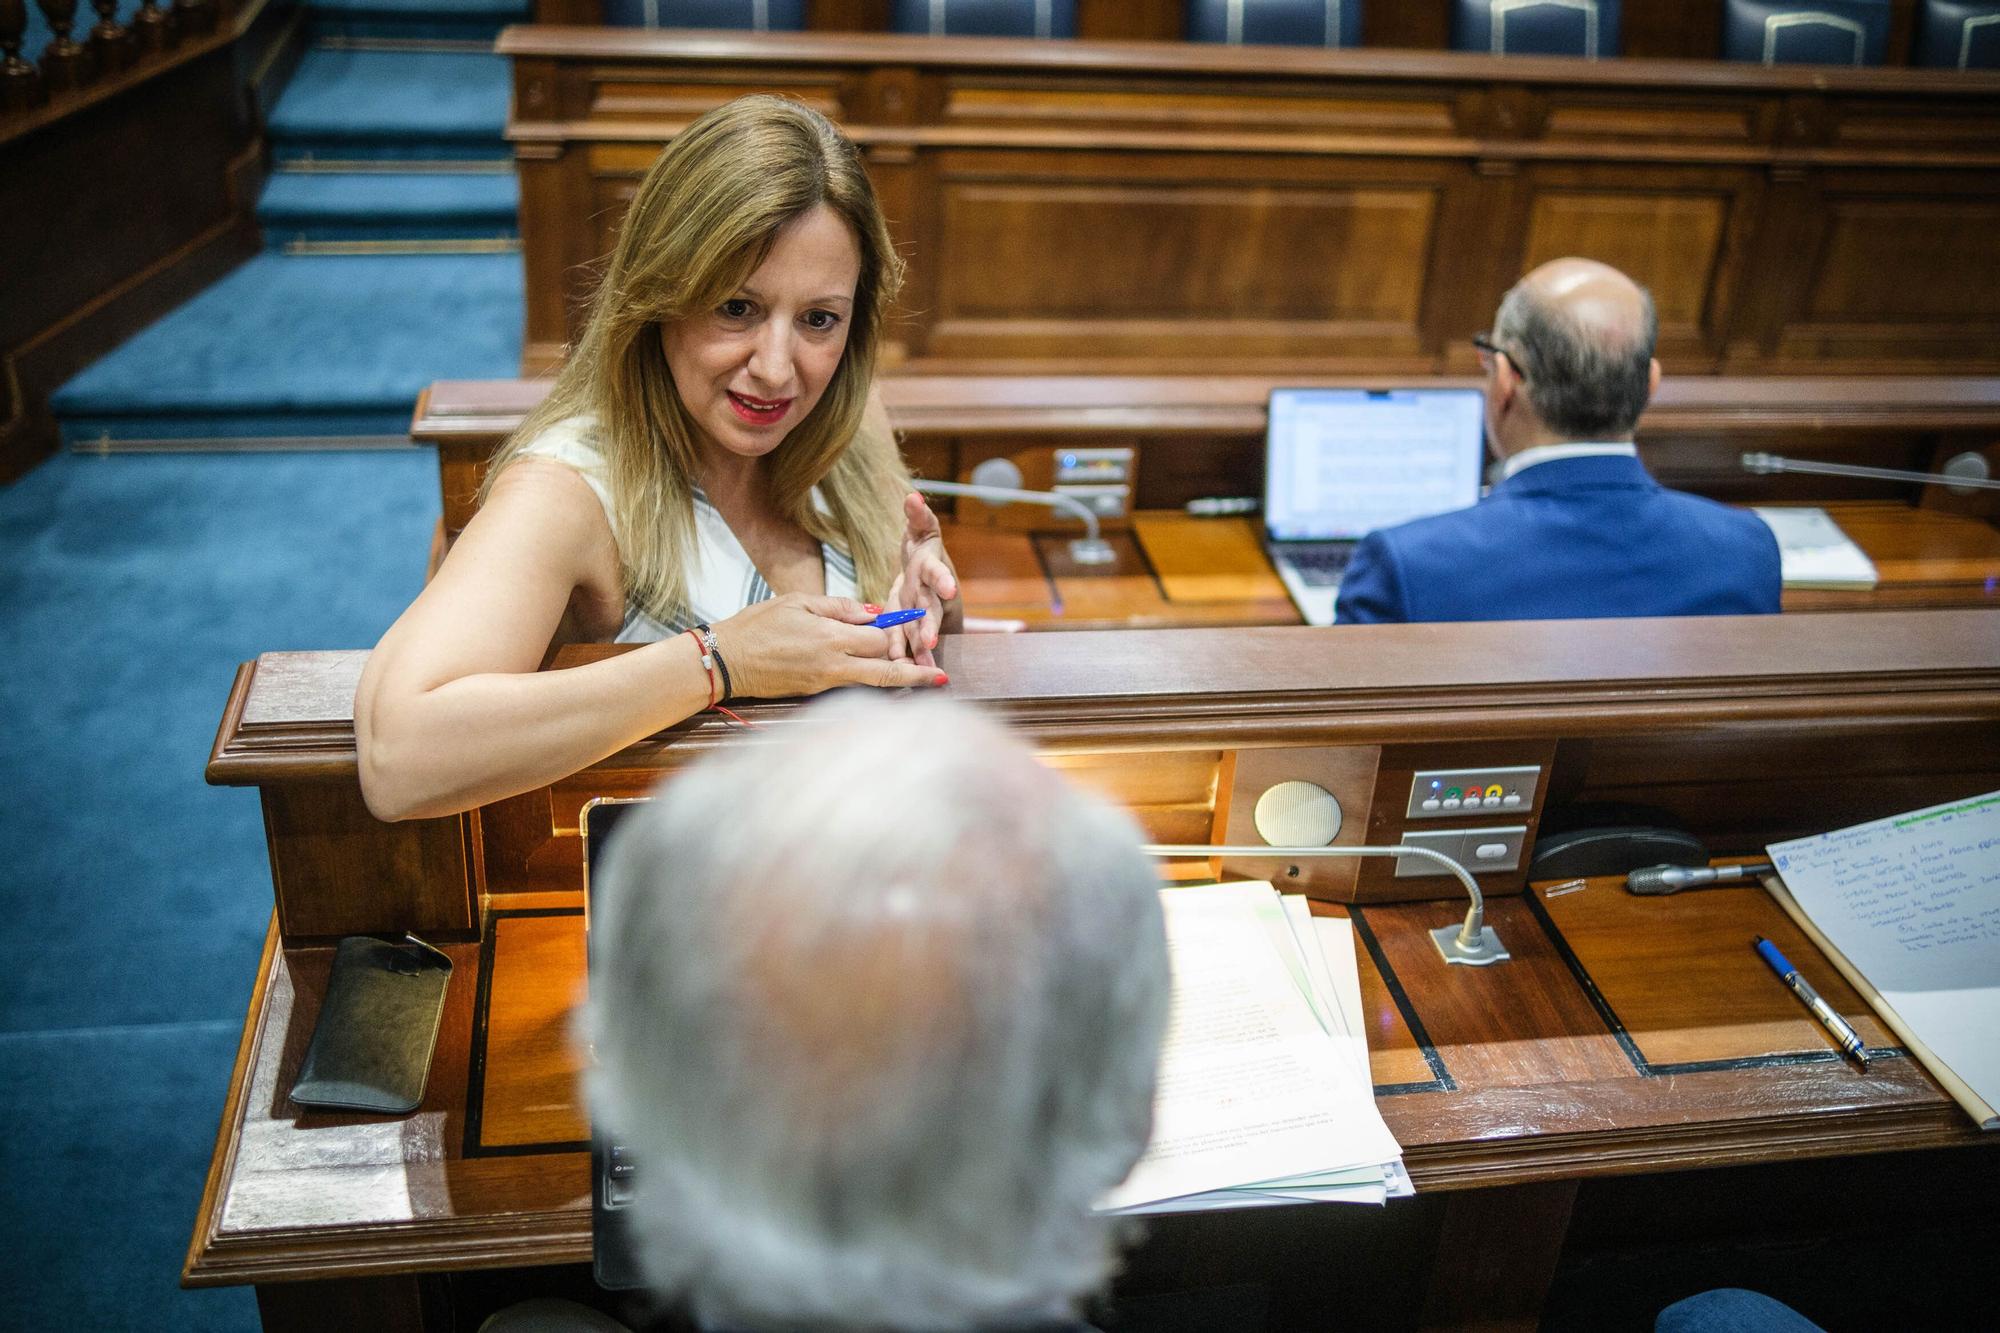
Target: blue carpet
{"x": 414, "y": 97}
{"x": 131, "y": 588}
{"x": 352, "y": 333}
{"x": 137, "y": 894}
{"x": 109, "y": 1133}
{"x": 333, "y": 205}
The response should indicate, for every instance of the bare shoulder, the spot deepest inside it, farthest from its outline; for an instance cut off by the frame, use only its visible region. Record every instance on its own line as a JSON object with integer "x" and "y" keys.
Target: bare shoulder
{"x": 544, "y": 512}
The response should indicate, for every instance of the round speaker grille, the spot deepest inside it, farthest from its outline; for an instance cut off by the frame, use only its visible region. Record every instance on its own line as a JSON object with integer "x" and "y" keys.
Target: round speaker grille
{"x": 1297, "y": 814}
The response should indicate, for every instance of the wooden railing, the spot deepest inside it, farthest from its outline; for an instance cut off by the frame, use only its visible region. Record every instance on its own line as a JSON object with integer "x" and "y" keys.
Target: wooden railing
{"x": 69, "y": 67}
{"x": 129, "y": 164}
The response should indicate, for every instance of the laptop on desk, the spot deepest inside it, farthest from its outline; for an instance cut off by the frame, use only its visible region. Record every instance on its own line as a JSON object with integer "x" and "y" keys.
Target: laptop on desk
{"x": 1340, "y": 463}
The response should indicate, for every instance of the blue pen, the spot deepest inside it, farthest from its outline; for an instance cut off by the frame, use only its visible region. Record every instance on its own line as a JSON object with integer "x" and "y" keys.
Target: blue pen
{"x": 889, "y": 619}
{"x": 1849, "y": 1039}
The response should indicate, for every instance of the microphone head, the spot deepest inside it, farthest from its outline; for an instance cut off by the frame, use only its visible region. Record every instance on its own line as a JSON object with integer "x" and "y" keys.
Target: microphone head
{"x": 1658, "y": 879}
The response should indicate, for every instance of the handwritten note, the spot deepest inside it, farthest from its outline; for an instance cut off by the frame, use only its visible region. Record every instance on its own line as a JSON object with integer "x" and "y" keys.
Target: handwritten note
{"x": 1913, "y": 902}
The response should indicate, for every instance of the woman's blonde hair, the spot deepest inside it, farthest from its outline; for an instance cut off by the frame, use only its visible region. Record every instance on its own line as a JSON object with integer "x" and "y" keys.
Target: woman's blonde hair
{"x": 703, "y": 219}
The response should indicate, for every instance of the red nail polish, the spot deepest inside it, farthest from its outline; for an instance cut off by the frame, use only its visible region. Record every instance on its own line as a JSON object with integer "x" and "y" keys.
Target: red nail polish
{"x": 871, "y": 608}
{"x": 942, "y": 679}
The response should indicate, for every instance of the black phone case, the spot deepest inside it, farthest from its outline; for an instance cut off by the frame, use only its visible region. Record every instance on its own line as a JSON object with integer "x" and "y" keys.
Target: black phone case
{"x": 371, "y": 1048}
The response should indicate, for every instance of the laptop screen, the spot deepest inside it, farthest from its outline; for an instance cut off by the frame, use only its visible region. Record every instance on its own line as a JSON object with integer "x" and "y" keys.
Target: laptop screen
{"x": 1340, "y": 463}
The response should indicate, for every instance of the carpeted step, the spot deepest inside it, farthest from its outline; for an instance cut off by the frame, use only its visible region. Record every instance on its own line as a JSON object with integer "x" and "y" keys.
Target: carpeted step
{"x": 304, "y": 346}
{"x": 388, "y": 206}
{"x": 410, "y": 104}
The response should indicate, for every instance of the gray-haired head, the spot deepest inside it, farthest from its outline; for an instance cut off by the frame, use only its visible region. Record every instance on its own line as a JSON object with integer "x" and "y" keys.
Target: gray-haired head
{"x": 1582, "y": 335}
{"x": 877, "y": 1006}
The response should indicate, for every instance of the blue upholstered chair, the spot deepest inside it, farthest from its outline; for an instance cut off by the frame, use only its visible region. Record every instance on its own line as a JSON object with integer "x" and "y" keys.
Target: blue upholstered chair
{"x": 1814, "y": 32}
{"x": 762, "y": 15}
{"x": 1277, "y": 22}
{"x": 1956, "y": 34}
{"x": 1587, "y": 28}
{"x": 985, "y": 18}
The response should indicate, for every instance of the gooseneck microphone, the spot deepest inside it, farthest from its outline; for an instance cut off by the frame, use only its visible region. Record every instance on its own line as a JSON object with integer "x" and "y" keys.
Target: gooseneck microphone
{"x": 1962, "y": 474}
{"x": 1654, "y": 880}
{"x": 998, "y": 481}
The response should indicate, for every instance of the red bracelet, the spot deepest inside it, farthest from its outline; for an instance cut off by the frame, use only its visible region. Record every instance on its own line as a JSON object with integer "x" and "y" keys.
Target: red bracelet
{"x": 707, "y": 664}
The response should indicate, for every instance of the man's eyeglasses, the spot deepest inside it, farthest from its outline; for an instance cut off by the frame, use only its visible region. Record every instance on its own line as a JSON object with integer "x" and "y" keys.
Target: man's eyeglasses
{"x": 1488, "y": 349}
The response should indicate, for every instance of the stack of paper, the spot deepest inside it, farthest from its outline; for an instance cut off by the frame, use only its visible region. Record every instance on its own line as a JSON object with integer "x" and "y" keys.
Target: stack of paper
{"x": 1813, "y": 552}
{"x": 1908, "y": 909}
{"x": 1265, "y": 1095}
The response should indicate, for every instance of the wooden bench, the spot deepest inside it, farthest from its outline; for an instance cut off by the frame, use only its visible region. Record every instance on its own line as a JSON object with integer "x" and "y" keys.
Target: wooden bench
{"x": 1150, "y": 205}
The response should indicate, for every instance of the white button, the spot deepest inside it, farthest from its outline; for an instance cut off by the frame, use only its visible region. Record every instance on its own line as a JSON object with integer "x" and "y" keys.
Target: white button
{"x": 1489, "y": 851}
{"x": 1431, "y": 803}
{"x": 1511, "y": 798}
{"x": 1491, "y": 800}
{"x": 1451, "y": 803}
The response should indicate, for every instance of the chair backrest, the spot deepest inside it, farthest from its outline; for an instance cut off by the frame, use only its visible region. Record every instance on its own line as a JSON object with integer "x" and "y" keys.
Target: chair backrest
{"x": 985, "y": 18}
{"x": 760, "y": 15}
{"x": 1806, "y": 32}
{"x": 1588, "y": 28}
{"x": 1957, "y": 34}
{"x": 1276, "y": 22}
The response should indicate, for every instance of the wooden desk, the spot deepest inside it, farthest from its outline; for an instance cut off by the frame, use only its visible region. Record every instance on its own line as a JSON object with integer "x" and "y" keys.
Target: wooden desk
{"x": 1627, "y": 1036}
{"x": 1203, "y": 435}
{"x": 1190, "y": 206}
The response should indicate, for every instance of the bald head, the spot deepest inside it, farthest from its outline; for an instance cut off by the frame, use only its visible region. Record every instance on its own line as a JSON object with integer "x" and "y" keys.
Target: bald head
{"x": 1581, "y": 335}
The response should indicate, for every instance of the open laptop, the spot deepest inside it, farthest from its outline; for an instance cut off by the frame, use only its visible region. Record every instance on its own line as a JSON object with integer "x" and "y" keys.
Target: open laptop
{"x": 614, "y": 1259}
{"x": 1340, "y": 463}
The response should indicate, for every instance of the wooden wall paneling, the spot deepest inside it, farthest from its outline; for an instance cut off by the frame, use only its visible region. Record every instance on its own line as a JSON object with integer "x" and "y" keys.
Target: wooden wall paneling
{"x": 1901, "y": 272}
{"x": 1464, "y": 282}
{"x": 1679, "y": 231}
{"x": 1249, "y": 257}
{"x": 1347, "y": 772}
{"x": 1787, "y": 781}
{"x": 337, "y": 870}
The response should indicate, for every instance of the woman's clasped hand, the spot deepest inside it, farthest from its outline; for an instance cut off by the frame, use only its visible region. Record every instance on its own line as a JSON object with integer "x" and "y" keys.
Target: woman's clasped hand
{"x": 799, "y": 643}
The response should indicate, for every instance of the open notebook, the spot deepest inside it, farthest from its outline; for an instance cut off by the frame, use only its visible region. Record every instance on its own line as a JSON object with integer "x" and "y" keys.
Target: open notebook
{"x": 1908, "y": 909}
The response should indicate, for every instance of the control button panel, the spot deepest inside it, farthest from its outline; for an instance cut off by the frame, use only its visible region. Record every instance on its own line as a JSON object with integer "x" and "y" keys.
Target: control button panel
{"x": 1441, "y": 793}
{"x": 1480, "y": 850}
{"x": 1100, "y": 466}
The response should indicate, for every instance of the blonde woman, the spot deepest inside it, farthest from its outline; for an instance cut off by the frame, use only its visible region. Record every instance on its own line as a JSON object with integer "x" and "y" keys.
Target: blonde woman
{"x": 704, "y": 478}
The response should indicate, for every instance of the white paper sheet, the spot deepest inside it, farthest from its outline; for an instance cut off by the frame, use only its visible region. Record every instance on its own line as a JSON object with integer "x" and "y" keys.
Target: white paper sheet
{"x": 1251, "y": 1088}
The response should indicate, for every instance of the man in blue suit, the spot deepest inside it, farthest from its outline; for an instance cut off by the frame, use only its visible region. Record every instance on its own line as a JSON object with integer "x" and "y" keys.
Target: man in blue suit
{"x": 1576, "y": 527}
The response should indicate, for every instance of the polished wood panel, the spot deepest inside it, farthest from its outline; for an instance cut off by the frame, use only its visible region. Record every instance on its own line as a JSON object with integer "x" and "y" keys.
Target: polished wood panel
{"x": 533, "y": 1055}
{"x": 1209, "y": 560}
{"x": 1188, "y": 206}
{"x": 1658, "y": 963}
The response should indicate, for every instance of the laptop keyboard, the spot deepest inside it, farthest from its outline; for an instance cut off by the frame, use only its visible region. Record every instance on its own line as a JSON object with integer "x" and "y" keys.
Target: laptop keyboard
{"x": 1320, "y": 566}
